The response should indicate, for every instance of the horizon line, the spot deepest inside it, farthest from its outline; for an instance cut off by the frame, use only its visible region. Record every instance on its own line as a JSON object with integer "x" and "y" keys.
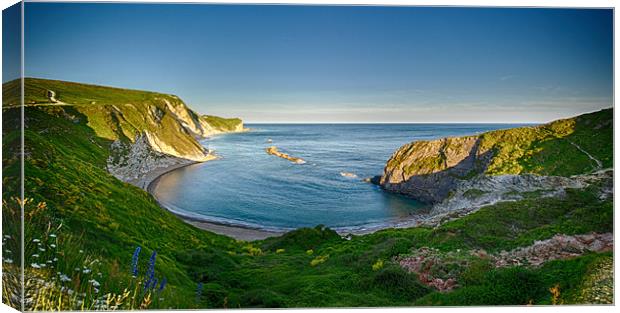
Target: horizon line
{"x": 393, "y": 123}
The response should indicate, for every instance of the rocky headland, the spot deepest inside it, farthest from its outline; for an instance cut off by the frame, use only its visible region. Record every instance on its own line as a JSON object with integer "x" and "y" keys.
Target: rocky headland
{"x": 149, "y": 132}
{"x": 462, "y": 174}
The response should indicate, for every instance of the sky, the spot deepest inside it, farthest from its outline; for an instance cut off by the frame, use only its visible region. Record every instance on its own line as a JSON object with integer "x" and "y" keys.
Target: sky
{"x": 335, "y": 64}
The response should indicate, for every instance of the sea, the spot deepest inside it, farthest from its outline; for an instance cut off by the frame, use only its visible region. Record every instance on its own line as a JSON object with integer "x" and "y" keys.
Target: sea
{"x": 247, "y": 187}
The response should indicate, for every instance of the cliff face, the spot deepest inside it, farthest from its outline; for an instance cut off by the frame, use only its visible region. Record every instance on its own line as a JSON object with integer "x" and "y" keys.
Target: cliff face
{"x": 433, "y": 171}
{"x": 147, "y": 130}
{"x": 429, "y": 170}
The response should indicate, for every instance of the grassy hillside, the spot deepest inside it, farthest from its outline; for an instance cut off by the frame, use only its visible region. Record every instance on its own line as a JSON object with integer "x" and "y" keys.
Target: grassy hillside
{"x": 123, "y": 114}
{"x": 558, "y": 148}
{"x": 101, "y": 218}
{"x": 225, "y": 124}
{"x": 553, "y": 149}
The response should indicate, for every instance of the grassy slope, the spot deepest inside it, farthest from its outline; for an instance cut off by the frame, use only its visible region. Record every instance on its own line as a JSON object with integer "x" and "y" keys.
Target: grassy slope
{"x": 65, "y": 168}
{"x": 546, "y": 149}
{"x": 225, "y": 124}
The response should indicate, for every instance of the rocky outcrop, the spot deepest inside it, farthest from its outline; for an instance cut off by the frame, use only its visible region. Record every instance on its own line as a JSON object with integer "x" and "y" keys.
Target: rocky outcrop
{"x": 273, "y": 150}
{"x": 147, "y": 130}
{"x": 498, "y": 162}
{"x": 429, "y": 170}
{"x": 558, "y": 247}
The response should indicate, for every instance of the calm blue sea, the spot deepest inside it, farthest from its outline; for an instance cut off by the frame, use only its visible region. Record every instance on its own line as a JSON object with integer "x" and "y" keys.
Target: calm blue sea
{"x": 246, "y": 186}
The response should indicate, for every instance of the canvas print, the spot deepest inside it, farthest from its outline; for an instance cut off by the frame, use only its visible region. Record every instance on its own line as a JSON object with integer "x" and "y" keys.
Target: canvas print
{"x": 199, "y": 156}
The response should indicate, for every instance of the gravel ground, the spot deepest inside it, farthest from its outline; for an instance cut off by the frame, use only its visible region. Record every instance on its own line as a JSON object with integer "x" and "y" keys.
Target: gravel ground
{"x": 598, "y": 288}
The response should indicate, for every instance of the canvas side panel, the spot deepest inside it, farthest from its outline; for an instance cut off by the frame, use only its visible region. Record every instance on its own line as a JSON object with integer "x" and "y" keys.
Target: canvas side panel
{"x": 12, "y": 152}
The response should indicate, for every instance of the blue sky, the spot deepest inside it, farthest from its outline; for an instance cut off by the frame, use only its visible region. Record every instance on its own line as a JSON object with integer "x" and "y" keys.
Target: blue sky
{"x": 335, "y": 64}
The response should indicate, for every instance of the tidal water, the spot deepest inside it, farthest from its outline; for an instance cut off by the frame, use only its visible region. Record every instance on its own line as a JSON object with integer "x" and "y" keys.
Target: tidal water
{"x": 248, "y": 187}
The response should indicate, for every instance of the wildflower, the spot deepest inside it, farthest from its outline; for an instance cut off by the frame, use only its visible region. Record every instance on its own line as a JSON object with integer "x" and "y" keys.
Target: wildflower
{"x": 7, "y": 251}
{"x": 154, "y": 283}
{"x": 8, "y": 261}
{"x": 81, "y": 251}
{"x": 7, "y": 236}
{"x": 162, "y": 285}
{"x": 86, "y": 271}
{"x": 94, "y": 282}
{"x": 55, "y": 259}
{"x": 36, "y": 240}
{"x": 150, "y": 273}
{"x": 64, "y": 277}
{"x": 35, "y": 265}
{"x": 53, "y": 235}
{"x": 35, "y": 255}
{"x": 53, "y": 245}
{"x": 134, "y": 262}
{"x": 41, "y": 249}
{"x": 198, "y": 291}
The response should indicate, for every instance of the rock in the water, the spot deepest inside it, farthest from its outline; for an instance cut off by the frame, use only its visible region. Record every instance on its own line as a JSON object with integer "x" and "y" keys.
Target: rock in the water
{"x": 375, "y": 180}
{"x": 273, "y": 150}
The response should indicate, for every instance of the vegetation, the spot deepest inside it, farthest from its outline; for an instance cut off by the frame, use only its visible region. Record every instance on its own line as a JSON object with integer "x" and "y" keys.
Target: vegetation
{"x": 224, "y": 124}
{"x": 94, "y": 216}
{"x": 560, "y": 148}
{"x": 552, "y": 149}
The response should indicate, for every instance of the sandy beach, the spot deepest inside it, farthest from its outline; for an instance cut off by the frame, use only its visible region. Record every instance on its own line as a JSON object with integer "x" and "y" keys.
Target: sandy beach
{"x": 149, "y": 183}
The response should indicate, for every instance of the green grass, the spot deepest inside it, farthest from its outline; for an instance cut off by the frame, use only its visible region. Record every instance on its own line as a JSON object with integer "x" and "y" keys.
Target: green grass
{"x": 547, "y": 149}
{"x": 65, "y": 168}
{"x": 224, "y": 124}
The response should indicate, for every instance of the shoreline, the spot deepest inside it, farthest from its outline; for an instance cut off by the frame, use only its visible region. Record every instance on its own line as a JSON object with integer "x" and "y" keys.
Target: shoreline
{"x": 249, "y": 233}
{"x": 245, "y": 232}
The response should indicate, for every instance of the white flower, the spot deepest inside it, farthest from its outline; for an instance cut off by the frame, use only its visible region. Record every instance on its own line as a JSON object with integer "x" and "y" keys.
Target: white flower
{"x": 64, "y": 277}
{"x": 55, "y": 259}
{"x": 41, "y": 249}
{"x": 8, "y": 251}
{"x": 36, "y": 240}
{"x": 81, "y": 251}
{"x": 35, "y": 255}
{"x": 53, "y": 235}
{"x": 7, "y": 236}
{"x": 53, "y": 245}
{"x": 94, "y": 282}
{"x": 86, "y": 271}
{"x": 8, "y": 261}
{"x": 35, "y": 265}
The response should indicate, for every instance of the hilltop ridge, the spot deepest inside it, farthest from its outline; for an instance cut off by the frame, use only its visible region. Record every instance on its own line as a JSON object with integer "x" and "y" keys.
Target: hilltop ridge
{"x": 147, "y": 130}
{"x": 465, "y": 172}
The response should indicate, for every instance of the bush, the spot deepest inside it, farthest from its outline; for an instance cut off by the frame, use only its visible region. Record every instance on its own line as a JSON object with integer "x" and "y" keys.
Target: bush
{"x": 397, "y": 281}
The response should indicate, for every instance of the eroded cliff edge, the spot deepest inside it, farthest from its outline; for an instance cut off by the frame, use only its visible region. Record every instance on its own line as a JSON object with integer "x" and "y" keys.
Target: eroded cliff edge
{"x": 146, "y": 131}
{"x": 467, "y": 172}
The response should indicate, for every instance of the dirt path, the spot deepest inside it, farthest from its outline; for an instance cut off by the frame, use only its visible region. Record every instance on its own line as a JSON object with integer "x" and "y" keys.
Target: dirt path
{"x": 52, "y": 96}
{"x": 599, "y": 164}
